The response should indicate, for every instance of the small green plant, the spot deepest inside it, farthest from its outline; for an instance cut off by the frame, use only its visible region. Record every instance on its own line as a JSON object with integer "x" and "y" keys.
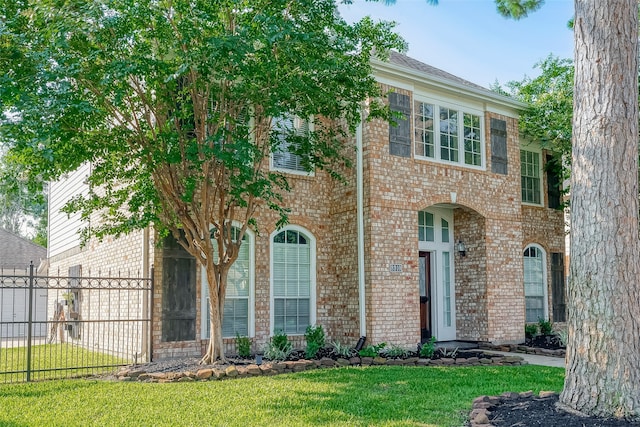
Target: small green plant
{"x": 546, "y": 327}
{"x": 395, "y": 351}
{"x": 243, "y": 346}
{"x": 372, "y": 350}
{"x": 448, "y": 353}
{"x": 279, "y": 347}
{"x": 563, "y": 335}
{"x": 315, "y": 341}
{"x": 428, "y": 348}
{"x": 342, "y": 350}
{"x": 530, "y": 330}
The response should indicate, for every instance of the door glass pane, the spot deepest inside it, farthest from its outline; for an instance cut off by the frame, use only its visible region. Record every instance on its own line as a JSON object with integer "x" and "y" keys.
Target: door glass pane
{"x": 445, "y": 230}
{"x": 447, "y": 294}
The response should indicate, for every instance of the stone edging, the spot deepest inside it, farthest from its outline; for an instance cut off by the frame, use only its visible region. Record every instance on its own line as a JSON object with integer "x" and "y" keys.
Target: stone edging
{"x": 220, "y": 372}
{"x": 481, "y": 409}
{"x": 519, "y": 348}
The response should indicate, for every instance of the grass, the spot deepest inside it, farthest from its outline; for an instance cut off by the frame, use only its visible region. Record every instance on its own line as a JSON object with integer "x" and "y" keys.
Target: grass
{"x": 368, "y": 396}
{"x": 51, "y": 361}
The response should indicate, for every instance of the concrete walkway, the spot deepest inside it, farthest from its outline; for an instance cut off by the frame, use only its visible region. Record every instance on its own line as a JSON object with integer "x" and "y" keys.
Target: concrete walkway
{"x": 534, "y": 359}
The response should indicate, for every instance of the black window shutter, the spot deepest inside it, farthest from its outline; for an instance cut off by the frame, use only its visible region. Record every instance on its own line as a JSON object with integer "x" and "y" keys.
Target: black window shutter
{"x": 178, "y": 293}
{"x": 558, "y": 288}
{"x": 554, "y": 185}
{"x": 499, "y": 157}
{"x": 400, "y": 132}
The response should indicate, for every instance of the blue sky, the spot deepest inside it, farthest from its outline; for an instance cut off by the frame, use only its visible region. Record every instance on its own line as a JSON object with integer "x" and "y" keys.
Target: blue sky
{"x": 470, "y": 39}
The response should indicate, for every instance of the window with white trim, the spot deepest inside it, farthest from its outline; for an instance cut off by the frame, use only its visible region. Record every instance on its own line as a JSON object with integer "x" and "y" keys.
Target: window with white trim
{"x": 535, "y": 284}
{"x": 456, "y": 137}
{"x": 292, "y": 281}
{"x": 530, "y": 172}
{"x": 288, "y": 129}
{"x": 238, "y": 310}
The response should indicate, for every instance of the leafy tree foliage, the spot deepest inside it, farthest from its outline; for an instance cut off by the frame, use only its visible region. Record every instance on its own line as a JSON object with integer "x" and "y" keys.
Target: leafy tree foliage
{"x": 23, "y": 208}
{"x": 173, "y": 101}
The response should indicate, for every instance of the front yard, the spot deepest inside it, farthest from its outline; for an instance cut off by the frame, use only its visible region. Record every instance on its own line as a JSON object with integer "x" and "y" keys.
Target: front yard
{"x": 367, "y": 396}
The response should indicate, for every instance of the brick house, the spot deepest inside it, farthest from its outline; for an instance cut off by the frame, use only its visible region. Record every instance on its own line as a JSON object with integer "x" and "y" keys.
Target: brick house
{"x": 447, "y": 226}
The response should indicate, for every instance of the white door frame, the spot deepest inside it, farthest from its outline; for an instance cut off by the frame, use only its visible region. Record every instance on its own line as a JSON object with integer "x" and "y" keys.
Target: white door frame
{"x": 443, "y": 320}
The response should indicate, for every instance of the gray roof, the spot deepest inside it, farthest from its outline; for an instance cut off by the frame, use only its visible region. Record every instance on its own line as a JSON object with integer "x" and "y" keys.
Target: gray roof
{"x": 405, "y": 61}
{"x": 17, "y": 252}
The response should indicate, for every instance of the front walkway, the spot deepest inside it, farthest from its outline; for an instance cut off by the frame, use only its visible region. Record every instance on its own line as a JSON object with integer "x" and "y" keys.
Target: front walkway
{"x": 534, "y": 359}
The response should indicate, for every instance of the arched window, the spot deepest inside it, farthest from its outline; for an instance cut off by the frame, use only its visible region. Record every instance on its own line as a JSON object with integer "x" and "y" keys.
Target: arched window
{"x": 292, "y": 280}
{"x": 535, "y": 283}
{"x": 238, "y": 303}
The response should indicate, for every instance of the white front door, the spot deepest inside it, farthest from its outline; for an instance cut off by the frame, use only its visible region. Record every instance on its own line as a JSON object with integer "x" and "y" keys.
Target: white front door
{"x": 435, "y": 235}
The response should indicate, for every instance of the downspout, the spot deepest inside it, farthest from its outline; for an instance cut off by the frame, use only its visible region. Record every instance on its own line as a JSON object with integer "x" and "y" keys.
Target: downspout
{"x": 360, "y": 218}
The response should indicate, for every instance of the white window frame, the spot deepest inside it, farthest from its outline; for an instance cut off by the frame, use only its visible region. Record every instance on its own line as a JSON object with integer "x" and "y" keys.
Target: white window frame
{"x": 312, "y": 276}
{"x": 538, "y": 151}
{"x": 204, "y": 300}
{"x": 461, "y": 110}
{"x": 298, "y": 124}
{"x": 545, "y": 290}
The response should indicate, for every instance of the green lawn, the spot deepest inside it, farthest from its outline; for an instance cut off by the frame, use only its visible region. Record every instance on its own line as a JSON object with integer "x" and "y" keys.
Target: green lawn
{"x": 371, "y": 396}
{"x": 45, "y": 359}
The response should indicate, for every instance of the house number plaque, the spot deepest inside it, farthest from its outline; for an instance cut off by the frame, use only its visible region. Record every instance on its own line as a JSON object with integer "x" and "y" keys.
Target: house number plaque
{"x": 395, "y": 268}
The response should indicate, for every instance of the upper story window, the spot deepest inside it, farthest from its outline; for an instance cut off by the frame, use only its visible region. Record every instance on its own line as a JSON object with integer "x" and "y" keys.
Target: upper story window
{"x": 448, "y": 135}
{"x": 288, "y": 129}
{"x": 531, "y": 173}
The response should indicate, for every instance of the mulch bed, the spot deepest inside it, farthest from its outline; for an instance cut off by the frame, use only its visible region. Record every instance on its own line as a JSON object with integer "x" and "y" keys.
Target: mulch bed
{"x": 528, "y": 410}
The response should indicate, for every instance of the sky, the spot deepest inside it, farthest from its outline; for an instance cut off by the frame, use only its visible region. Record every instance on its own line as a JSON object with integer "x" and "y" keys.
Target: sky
{"x": 468, "y": 38}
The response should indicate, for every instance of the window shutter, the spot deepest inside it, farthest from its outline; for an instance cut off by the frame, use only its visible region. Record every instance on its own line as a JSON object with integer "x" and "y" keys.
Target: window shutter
{"x": 178, "y": 292}
{"x": 499, "y": 157}
{"x": 557, "y": 287}
{"x": 400, "y": 135}
{"x": 554, "y": 185}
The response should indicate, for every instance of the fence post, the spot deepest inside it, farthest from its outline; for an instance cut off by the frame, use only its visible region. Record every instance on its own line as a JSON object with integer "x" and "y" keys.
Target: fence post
{"x": 30, "y": 321}
{"x": 150, "y": 322}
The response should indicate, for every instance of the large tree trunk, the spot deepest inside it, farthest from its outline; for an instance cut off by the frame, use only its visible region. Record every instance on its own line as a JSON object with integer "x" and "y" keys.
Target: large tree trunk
{"x": 217, "y": 283}
{"x": 603, "y": 351}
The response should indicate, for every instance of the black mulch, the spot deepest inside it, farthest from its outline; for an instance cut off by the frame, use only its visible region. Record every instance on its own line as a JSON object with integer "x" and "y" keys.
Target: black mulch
{"x": 535, "y": 411}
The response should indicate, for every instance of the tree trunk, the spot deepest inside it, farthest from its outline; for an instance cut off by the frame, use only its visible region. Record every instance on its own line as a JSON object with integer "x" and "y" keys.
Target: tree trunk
{"x": 217, "y": 283}
{"x": 603, "y": 351}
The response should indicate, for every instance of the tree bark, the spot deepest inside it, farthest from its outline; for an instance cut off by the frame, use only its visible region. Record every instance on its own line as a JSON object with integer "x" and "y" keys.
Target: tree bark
{"x": 603, "y": 351}
{"x": 217, "y": 283}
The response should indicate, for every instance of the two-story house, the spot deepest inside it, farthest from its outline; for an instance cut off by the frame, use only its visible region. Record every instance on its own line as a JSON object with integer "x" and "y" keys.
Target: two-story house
{"x": 447, "y": 226}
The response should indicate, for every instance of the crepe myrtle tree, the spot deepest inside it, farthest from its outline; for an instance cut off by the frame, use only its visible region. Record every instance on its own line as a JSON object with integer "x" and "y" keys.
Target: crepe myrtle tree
{"x": 173, "y": 102}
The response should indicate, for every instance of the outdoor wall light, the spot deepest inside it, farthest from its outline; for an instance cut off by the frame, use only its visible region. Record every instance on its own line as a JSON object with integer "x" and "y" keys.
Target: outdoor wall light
{"x": 462, "y": 249}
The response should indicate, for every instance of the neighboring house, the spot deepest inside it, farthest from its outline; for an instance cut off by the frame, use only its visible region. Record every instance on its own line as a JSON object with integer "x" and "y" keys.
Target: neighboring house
{"x": 16, "y": 254}
{"x": 447, "y": 227}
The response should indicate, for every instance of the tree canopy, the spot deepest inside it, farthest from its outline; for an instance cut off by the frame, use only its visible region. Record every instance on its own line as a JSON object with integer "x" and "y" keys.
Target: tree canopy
{"x": 178, "y": 106}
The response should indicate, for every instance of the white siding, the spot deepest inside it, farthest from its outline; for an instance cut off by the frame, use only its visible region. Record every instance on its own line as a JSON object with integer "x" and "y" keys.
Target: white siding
{"x": 64, "y": 229}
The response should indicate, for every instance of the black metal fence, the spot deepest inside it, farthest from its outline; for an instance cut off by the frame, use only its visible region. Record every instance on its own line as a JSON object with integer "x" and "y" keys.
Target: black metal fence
{"x": 61, "y": 327}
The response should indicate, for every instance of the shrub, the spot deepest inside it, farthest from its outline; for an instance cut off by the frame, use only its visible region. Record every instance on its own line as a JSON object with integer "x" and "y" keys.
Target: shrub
{"x": 530, "y": 330}
{"x": 279, "y": 347}
{"x": 372, "y": 350}
{"x": 428, "y": 348}
{"x": 545, "y": 327}
{"x": 395, "y": 351}
{"x": 563, "y": 335}
{"x": 243, "y": 346}
{"x": 342, "y": 350}
{"x": 315, "y": 341}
